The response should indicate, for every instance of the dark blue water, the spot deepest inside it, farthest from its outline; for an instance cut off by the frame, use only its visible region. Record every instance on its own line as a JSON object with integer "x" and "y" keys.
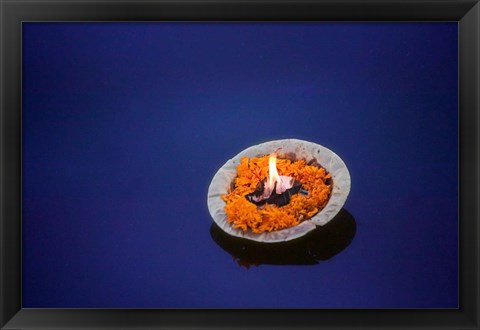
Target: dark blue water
{"x": 125, "y": 124}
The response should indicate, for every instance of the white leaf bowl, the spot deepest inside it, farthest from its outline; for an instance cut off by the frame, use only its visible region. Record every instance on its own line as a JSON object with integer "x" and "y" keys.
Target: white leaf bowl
{"x": 303, "y": 150}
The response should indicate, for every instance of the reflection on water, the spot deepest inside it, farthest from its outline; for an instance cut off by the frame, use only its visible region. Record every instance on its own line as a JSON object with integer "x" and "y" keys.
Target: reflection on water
{"x": 318, "y": 245}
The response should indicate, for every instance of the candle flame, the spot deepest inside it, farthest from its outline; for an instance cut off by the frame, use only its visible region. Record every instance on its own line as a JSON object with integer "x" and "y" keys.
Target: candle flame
{"x": 274, "y": 183}
{"x": 273, "y": 173}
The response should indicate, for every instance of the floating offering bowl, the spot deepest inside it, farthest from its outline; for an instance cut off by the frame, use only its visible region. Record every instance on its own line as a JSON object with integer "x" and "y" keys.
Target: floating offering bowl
{"x": 294, "y": 149}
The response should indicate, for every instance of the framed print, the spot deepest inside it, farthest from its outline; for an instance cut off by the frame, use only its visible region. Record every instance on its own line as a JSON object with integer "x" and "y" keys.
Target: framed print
{"x": 240, "y": 164}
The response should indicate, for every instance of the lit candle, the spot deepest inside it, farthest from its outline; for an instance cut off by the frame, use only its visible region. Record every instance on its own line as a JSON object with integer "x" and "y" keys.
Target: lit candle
{"x": 275, "y": 183}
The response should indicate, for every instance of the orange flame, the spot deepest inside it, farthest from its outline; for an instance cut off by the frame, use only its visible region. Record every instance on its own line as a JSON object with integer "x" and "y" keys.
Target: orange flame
{"x": 282, "y": 182}
{"x": 273, "y": 174}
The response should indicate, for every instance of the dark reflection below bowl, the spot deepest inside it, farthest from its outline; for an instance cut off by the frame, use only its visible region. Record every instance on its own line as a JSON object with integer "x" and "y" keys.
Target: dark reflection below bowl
{"x": 320, "y": 244}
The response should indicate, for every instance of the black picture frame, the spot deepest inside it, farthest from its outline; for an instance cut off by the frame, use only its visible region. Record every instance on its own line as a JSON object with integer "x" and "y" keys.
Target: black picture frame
{"x": 14, "y": 12}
